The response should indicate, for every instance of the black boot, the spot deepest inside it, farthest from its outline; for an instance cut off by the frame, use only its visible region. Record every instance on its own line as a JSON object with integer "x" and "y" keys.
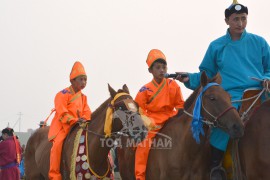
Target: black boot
{"x": 217, "y": 172}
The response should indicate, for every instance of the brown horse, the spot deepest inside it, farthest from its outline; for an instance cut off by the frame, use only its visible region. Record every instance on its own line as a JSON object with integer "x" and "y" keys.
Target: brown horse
{"x": 183, "y": 158}
{"x": 254, "y": 147}
{"x": 37, "y": 154}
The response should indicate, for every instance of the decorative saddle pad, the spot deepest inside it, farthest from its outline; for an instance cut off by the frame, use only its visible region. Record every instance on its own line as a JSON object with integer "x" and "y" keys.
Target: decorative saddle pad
{"x": 80, "y": 166}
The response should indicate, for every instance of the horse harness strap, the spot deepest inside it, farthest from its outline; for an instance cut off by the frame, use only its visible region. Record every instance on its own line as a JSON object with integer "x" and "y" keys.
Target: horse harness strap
{"x": 92, "y": 171}
{"x": 109, "y": 120}
{"x": 256, "y": 97}
{"x": 216, "y": 118}
{"x": 224, "y": 112}
{"x": 109, "y": 114}
{"x": 243, "y": 116}
{"x": 209, "y": 123}
{"x": 215, "y": 122}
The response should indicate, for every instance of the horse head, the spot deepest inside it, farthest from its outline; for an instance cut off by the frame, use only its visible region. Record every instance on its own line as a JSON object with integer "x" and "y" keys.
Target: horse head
{"x": 126, "y": 118}
{"x": 217, "y": 108}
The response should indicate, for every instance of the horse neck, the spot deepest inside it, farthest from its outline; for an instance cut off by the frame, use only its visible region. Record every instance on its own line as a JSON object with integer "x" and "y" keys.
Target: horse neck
{"x": 97, "y": 149}
{"x": 195, "y": 151}
{"x": 189, "y": 141}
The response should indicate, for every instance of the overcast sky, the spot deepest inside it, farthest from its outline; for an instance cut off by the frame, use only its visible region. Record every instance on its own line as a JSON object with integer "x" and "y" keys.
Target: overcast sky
{"x": 40, "y": 41}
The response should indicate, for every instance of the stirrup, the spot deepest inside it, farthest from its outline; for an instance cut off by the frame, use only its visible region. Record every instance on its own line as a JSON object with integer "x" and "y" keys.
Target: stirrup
{"x": 218, "y": 173}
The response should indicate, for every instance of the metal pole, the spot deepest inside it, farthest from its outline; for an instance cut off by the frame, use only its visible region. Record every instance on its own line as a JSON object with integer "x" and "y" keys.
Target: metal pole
{"x": 20, "y": 118}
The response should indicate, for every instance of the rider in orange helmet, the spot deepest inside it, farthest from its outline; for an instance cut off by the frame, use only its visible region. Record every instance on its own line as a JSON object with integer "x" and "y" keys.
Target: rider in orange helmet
{"x": 158, "y": 100}
{"x": 71, "y": 107}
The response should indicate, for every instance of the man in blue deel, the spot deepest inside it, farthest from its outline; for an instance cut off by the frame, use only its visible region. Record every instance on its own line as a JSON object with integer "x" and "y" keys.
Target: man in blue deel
{"x": 237, "y": 56}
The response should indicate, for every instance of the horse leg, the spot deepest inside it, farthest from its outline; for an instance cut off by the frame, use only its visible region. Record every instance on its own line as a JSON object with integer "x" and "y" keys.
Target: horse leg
{"x": 32, "y": 172}
{"x": 126, "y": 162}
{"x": 34, "y": 175}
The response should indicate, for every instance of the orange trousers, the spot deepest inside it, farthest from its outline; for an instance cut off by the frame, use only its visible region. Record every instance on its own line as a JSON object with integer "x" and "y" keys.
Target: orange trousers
{"x": 142, "y": 153}
{"x": 55, "y": 159}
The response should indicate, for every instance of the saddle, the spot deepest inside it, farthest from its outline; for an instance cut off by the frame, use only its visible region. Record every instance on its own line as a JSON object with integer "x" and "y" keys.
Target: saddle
{"x": 248, "y": 103}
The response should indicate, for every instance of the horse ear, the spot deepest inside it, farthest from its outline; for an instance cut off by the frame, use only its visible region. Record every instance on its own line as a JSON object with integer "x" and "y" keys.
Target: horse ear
{"x": 112, "y": 91}
{"x": 125, "y": 88}
{"x": 217, "y": 78}
{"x": 204, "y": 79}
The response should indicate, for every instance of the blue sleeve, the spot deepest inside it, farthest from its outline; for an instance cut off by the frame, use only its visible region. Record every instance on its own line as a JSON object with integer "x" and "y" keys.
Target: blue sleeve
{"x": 208, "y": 65}
{"x": 266, "y": 60}
{"x": 194, "y": 80}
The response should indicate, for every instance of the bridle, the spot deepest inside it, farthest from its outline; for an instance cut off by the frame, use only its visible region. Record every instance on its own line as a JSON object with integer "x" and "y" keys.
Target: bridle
{"x": 215, "y": 121}
{"x": 116, "y": 106}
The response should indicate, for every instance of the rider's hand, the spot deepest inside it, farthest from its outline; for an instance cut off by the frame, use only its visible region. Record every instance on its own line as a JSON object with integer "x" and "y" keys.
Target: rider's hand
{"x": 81, "y": 120}
{"x": 266, "y": 83}
{"x": 181, "y": 78}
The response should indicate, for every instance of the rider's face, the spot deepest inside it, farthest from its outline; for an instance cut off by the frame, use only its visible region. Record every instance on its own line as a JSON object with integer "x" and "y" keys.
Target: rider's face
{"x": 237, "y": 23}
{"x": 158, "y": 70}
{"x": 79, "y": 83}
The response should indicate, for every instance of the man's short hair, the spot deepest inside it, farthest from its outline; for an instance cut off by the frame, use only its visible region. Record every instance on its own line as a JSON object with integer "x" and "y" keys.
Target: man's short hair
{"x": 8, "y": 131}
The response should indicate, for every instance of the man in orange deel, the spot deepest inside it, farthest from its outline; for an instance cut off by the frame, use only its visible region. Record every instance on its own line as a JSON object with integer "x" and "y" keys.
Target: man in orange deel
{"x": 159, "y": 100}
{"x": 71, "y": 107}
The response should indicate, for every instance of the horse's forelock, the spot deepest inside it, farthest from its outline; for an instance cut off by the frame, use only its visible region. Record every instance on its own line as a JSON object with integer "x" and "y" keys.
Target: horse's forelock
{"x": 121, "y": 91}
{"x": 217, "y": 78}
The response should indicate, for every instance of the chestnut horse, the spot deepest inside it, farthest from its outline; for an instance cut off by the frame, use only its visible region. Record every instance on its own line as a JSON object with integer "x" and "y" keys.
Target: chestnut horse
{"x": 183, "y": 158}
{"x": 37, "y": 153}
{"x": 254, "y": 147}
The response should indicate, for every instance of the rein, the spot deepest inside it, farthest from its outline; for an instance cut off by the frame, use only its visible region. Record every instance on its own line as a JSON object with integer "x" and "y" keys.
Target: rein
{"x": 257, "y": 96}
{"x": 118, "y": 133}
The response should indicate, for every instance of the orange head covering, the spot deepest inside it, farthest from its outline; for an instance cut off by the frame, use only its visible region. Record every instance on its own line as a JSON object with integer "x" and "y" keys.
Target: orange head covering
{"x": 77, "y": 70}
{"x": 154, "y": 55}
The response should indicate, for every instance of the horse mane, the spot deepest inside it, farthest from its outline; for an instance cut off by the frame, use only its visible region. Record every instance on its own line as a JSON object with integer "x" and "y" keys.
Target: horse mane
{"x": 191, "y": 98}
{"x": 101, "y": 108}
